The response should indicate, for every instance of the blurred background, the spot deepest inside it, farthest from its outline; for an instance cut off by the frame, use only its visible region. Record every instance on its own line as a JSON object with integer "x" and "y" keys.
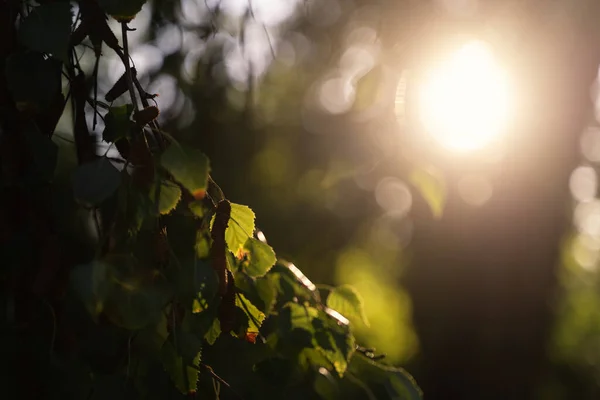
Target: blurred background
{"x": 441, "y": 156}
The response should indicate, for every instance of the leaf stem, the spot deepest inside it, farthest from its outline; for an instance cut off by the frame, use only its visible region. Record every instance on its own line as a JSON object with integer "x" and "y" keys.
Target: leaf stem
{"x": 323, "y": 286}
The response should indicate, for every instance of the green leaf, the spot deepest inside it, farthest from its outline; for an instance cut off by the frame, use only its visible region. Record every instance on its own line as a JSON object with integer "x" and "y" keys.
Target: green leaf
{"x": 206, "y": 284}
{"x": 34, "y": 81}
{"x": 134, "y": 207}
{"x": 300, "y": 316}
{"x": 91, "y": 284}
{"x": 402, "y": 386}
{"x": 262, "y": 257}
{"x": 202, "y": 245}
{"x": 348, "y": 302}
{"x": 44, "y": 152}
{"x": 113, "y": 286}
{"x": 189, "y": 166}
{"x": 240, "y": 227}
{"x": 334, "y": 341}
{"x": 213, "y": 333}
{"x": 255, "y": 316}
{"x": 170, "y": 194}
{"x": 314, "y": 357}
{"x": 94, "y": 182}
{"x": 189, "y": 345}
{"x": 399, "y": 384}
{"x": 183, "y": 375}
{"x": 47, "y": 29}
{"x": 197, "y": 208}
{"x": 267, "y": 289}
{"x": 131, "y": 300}
{"x": 117, "y": 123}
{"x": 326, "y": 345}
{"x": 431, "y": 185}
{"x": 325, "y": 385}
{"x": 122, "y": 10}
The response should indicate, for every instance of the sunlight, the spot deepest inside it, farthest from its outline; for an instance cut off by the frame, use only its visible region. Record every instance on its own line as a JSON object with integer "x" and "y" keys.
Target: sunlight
{"x": 464, "y": 104}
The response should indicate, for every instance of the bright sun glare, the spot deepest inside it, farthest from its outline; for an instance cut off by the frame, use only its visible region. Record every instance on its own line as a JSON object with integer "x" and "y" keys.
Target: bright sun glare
{"x": 464, "y": 104}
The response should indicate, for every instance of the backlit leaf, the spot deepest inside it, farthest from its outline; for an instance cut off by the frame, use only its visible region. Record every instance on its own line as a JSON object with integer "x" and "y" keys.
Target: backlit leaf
{"x": 255, "y": 316}
{"x": 261, "y": 257}
{"x": 240, "y": 227}
{"x": 214, "y": 332}
{"x": 197, "y": 208}
{"x": 206, "y": 283}
{"x": 399, "y": 384}
{"x": 202, "y": 245}
{"x": 267, "y": 289}
{"x": 169, "y": 196}
{"x": 189, "y": 166}
{"x": 300, "y": 316}
{"x": 183, "y": 375}
{"x": 347, "y": 301}
{"x": 47, "y": 29}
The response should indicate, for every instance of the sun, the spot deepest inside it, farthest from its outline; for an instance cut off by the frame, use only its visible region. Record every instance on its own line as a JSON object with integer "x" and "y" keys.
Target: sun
{"x": 464, "y": 103}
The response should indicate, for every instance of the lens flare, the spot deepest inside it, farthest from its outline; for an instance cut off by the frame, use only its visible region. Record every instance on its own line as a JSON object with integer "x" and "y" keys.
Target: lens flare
{"x": 464, "y": 103}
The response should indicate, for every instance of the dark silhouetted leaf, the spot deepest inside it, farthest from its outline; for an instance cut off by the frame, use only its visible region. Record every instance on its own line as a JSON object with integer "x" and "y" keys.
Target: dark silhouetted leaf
{"x": 135, "y": 295}
{"x": 117, "y": 123}
{"x": 146, "y": 115}
{"x": 122, "y": 10}
{"x": 94, "y": 182}
{"x": 34, "y": 81}
{"x": 90, "y": 282}
{"x": 44, "y": 151}
{"x": 47, "y": 29}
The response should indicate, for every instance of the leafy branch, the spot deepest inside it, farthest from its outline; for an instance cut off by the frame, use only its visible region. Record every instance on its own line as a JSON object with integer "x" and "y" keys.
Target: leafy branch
{"x": 176, "y": 282}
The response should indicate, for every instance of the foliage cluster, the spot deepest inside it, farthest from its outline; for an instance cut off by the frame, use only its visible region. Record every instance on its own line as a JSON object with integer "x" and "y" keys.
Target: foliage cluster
{"x": 172, "y": 291}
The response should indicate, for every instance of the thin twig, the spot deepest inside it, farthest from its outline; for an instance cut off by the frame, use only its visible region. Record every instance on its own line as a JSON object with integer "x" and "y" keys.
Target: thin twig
{"x": 264, "y": 29}
{"x": 217, "y": 388}
{"x": 214, "y": 375}
{"x": 124, "y": 30}
{"x": 95, "y": 75}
